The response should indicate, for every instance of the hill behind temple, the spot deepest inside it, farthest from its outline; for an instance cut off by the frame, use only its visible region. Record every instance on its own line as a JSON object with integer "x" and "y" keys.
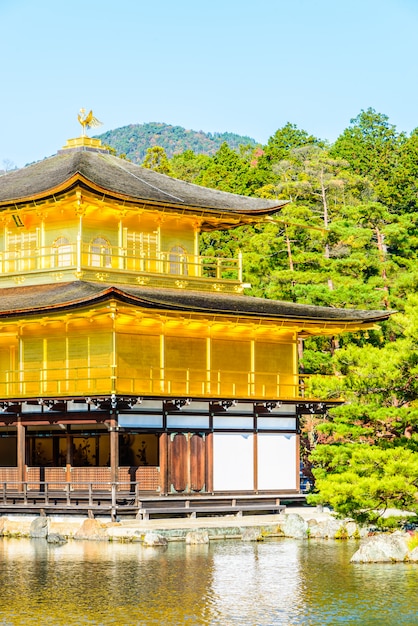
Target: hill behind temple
{"x": 134, "y": 140}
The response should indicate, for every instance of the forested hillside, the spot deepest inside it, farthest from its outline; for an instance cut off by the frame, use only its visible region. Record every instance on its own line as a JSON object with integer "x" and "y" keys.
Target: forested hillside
{"x": 135, "y": 139}
{"x": 347, "y": 238}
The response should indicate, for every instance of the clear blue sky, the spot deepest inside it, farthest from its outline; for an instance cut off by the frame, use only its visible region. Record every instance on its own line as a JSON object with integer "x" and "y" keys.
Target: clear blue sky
{"x": 244, "y": 66}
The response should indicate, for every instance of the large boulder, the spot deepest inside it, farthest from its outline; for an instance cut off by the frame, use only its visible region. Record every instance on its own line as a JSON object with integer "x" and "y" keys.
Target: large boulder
{"x": 293, "y": 525}
{"x": 39, "y": 528}
{"x": 383, "y": 548}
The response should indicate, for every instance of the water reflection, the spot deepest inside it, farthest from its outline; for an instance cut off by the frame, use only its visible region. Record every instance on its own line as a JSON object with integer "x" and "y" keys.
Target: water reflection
{"x": 285, "y": 582}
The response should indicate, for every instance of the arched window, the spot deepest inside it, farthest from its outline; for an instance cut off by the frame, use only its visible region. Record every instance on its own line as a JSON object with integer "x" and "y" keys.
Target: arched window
{"x": 100, "y": 253}
{"x": 62, "y": 248}
{"x": 178, "y": 260}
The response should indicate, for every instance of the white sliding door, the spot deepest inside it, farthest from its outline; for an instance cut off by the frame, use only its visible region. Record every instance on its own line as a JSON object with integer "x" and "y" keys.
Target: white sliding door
{"x": 233, "y": 461}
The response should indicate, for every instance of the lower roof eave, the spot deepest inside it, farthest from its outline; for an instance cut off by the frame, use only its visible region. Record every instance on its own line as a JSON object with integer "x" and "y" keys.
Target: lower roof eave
{"x": 61, "y": 297}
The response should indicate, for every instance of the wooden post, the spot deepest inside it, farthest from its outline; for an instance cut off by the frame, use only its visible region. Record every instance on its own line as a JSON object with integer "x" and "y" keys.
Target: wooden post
{"x": 21, "y": 447}
{"x": 114, "y": 450}
{"x": 163, "y": 462}
{"x": 69, "y": 457}
{"x": 255, "y": 462}
{"x": 209, "y": 462}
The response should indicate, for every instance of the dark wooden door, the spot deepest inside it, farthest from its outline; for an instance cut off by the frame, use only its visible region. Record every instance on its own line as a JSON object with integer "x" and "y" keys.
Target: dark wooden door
{"x": 187, "y": 462}
{"x": 178, "y": 463}
{"x": 197, "y": 462}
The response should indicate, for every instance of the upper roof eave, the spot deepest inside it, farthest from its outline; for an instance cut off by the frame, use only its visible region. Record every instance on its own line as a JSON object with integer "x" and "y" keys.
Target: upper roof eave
{"x": 124, "y": 181}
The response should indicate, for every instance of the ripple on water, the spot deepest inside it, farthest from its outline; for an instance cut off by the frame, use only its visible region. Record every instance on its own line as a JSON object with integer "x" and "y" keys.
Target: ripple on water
{"x": 285, "y": 582}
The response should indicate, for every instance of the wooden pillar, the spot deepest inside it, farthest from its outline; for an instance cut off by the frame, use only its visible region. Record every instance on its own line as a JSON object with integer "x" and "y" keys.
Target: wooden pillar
{"x": 255, "y": 462}
{"x": 69, "y": 456}
{"x": 209, "y": 462}
{"x": 114, "y": 450}
{"x": 163, "y": 453}
{"x": 21, "y": 449}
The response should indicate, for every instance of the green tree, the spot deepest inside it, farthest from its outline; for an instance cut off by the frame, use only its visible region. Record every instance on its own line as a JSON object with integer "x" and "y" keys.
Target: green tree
{"x": 362, "y": 482}
{"x": 371, "y": 145}
{"x": 280, "y": 145}
{"x": 189, "y": 166}
{"x": 406, "y": 175}
{"x": 227, "y": 171}
{"x": 156, "y": 159}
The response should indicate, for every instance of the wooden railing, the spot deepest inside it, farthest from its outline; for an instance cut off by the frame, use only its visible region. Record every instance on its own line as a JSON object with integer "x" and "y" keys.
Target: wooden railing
{"x": 80, "y": 255}
{"x": 39, "y": 382}
{"x": 117, "y": 498}
{"x": 107, "y": 498}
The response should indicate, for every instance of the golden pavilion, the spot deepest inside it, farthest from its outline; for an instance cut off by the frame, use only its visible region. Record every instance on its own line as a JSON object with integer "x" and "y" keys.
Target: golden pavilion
{"x": 126, "y": 356}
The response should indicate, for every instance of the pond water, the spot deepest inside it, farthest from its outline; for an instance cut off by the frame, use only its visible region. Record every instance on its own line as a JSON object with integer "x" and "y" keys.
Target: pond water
{"x": 281, "y": 581}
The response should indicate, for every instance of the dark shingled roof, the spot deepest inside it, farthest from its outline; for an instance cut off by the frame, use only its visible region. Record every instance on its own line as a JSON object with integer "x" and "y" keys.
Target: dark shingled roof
{"x": 18, "y": 301}
{"x": 124, "y": 179}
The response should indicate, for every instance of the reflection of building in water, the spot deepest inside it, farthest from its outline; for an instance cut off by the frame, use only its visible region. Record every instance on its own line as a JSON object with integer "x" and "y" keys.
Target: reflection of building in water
{"x": 130, "y": 356}
{"x": 269, "y": 577}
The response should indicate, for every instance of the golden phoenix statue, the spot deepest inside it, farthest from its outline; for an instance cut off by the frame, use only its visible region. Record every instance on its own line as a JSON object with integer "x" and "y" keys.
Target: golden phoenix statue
{"x": 88, "y": 121}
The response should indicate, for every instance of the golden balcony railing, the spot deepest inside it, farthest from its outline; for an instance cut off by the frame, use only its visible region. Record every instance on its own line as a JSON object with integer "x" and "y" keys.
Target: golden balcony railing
{"x": 154, "y": 381}
{"x": 80, "y": 256}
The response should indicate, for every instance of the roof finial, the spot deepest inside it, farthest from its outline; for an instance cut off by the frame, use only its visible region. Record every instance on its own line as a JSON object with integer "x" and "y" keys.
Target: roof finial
{"x": 87, "y": 121}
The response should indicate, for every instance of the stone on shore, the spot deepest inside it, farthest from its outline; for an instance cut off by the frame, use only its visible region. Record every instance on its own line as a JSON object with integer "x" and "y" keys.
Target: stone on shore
{"x": 293, "y": 525}
{"x": 197, "y": 537}
{"x": 251, "y": 534}
{"x": 154, "y": 539}
{"x": 92, "y": 530}
{"x": 332, "y": 528}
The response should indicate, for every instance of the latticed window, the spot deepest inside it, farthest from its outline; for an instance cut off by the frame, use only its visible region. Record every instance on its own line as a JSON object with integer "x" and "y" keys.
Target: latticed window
{"x": 100, "y": 253}
{"x": 142, "y": 251}
{"x": 178, "y": 260}
{"x": 21, "y": 251}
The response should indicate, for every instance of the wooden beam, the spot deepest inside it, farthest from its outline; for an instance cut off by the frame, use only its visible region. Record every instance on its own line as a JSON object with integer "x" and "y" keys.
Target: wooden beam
{"x": 114, "y": 450}
{"x": 21, "y": 452}
{"x": 163, "y": 454}
{"x": 209, "y": 462}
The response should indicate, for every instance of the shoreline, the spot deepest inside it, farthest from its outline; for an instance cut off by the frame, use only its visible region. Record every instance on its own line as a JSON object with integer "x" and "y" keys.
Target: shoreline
{"x": 294, "y": 522}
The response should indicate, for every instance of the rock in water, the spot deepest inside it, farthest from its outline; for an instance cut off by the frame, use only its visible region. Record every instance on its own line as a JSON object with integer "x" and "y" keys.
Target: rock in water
{"x": 384, "y": 548}
{"x": 56, "y": 538}
{"x": 39, "y": 528}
